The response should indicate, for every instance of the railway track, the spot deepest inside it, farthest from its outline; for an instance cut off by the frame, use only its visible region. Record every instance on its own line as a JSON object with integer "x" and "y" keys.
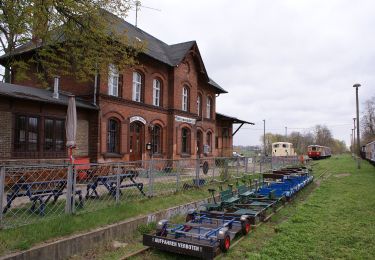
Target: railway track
{"x": 321, "y": 176}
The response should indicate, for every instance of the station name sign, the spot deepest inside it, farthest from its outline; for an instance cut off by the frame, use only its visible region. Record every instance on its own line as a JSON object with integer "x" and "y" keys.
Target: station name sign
{"x": 185, "y": 119}
{"x": 176, "y": 244}
{"x": 137, "y": 118}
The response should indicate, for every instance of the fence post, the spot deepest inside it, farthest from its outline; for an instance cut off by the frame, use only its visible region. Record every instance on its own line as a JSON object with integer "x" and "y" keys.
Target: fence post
{"x": 74, "y": 184}
{"x": 150, "y": 179}
{"x": 246, "y": 163}
{"x": 226, "y": 168}
{"x": 254, "y": 164}
{"x": 260, "y": 165}
{"x": 2, "y": 187}
{"x": 178, "y": 169}
{"x": 118, "y": 188}
{"x": 213, "y": 169}
{"x": 197, "y": 168}
{"x": 69, "y": 187}
{"x": 238, "y": 167}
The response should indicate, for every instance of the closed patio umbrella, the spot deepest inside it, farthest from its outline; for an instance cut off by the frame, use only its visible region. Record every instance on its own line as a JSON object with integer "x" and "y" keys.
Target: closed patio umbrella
{"x": 71, "y": 126}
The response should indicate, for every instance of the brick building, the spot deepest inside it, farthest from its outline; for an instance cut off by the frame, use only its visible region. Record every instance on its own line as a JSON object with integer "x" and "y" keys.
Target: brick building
{"x": 167, "y": 100}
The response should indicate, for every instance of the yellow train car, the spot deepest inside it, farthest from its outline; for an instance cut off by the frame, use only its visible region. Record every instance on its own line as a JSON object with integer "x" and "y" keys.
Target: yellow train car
{"x": 283, "y": 149}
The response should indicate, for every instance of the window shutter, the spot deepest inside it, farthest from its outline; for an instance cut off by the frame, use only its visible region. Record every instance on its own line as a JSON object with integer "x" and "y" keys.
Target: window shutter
{"x": 120, "y": 81}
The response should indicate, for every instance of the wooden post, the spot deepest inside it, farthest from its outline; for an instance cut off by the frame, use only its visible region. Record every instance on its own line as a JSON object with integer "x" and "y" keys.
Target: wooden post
{"x": 2, "y": 187}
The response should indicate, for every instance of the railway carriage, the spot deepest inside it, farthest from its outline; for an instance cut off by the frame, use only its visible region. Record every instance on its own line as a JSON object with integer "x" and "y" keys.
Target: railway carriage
{"x": 368, "y": 151}
{"x": 316, "y": 152}
{"x": 283, "y": 149}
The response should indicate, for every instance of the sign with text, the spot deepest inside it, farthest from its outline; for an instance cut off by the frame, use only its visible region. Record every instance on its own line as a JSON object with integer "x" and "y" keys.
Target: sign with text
{"x": 185, "y": 119}
{"x": 137, "y": 118}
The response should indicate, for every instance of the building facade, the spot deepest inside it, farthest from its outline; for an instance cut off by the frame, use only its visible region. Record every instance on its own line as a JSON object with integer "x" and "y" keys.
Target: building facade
{"x": 167, "y": 101}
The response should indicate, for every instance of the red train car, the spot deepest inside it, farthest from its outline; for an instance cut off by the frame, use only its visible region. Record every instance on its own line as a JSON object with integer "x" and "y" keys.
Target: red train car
{"x": 316, "y": 152}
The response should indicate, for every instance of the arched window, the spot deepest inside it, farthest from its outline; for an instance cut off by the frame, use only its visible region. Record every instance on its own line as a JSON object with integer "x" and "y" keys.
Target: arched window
{"x": 157, "y": 139}
{"x": 199, "y": 105}
{"x": 156, "y": 85}
{"x": 185, "y": 140}
{"x": 113, "y": 136}
{"x": 209, "y": 107}
{"x": 137, "y": 87}
{"x": 209, "y": 141}
{"x": 185, "y": 98}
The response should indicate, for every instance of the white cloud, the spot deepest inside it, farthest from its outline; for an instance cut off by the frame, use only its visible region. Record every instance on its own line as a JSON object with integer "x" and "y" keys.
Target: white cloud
{"x": 292, "y": 62}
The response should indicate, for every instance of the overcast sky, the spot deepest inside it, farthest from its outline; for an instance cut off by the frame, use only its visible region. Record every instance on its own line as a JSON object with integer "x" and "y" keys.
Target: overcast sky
{"x": 290, "y": 62}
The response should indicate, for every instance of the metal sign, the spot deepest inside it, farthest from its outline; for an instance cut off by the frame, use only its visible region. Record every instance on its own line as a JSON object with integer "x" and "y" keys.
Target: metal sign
{"x": 137, "y": 118}
{"x": 185, "y": 119}
{"x": 206, "y": 149}
{"x": 180, "y": 247}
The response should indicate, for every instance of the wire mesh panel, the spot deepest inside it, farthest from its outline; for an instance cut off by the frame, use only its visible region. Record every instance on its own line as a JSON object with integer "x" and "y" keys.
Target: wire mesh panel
{"x": 32, "y": 193}
{"x": 188, "y": 174}
{"x": 165, "y": 176}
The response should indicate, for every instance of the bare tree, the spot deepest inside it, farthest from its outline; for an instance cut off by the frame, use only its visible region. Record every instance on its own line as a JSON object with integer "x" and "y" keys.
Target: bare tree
{"x": 323, "y": 135}
{"x": 368, "y": 121}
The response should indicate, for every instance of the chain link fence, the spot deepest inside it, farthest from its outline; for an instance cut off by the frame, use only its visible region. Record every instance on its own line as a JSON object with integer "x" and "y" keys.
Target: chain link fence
{"x": 29, "y": 194}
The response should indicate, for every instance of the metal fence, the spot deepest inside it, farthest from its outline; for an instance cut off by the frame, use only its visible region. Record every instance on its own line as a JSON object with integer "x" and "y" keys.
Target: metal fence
{"x": 29, "y": 194}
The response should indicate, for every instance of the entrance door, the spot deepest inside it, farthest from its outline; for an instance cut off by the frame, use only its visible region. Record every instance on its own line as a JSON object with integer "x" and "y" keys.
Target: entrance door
{"x": 136, "y": 137}
{"x": 200, "y": 142}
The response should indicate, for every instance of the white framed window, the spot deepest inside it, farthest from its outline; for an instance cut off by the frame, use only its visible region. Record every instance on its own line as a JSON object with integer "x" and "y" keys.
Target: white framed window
{"x": 209, "y": 106}
{"x": 185, "y": 99}
{"x": 156, "y": 92}
{"x": 113, "y": 78}
{"x": 137, "y": 87}
{"x": 199, "y": 105}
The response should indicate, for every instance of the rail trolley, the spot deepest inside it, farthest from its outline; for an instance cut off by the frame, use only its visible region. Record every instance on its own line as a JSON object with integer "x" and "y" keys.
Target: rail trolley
{"x": 210, "y": 229}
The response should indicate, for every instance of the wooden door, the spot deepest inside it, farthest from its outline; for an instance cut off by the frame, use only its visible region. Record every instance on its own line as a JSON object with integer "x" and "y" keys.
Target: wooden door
{"x": 200, "y": 142}
{"x": 136, "y": 140}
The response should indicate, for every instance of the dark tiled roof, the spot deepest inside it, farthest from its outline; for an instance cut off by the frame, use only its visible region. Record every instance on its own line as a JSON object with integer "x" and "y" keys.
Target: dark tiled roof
{"x": 171, "y": 55}
{"x": 234, "y": 120}
{"x": 217, "y": 86}
{"x": 40, "y": 95}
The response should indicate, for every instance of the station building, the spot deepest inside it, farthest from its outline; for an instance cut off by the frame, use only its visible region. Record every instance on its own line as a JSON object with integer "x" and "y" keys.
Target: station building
{"x": 167, "y": 100}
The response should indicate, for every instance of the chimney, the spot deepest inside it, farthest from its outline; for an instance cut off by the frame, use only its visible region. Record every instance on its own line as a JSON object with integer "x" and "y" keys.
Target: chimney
{"x": 56, "y": 87}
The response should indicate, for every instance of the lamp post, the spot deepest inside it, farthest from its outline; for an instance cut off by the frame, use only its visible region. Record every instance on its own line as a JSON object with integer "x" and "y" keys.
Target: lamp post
{"x": 264, "y": 137}
{"x": 354, "y": 134}
{"x": 356, "y": 86}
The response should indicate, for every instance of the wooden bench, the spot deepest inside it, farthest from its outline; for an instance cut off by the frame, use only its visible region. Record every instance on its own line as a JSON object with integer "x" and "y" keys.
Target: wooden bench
{"x": 227, "y": 198}
{"x": 111, "y": 184}
{"x": 39, "y": 192}
{"x": 244, "y": 192}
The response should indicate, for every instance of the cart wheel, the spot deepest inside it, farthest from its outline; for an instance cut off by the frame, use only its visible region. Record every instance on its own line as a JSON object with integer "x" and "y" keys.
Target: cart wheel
{"x": 189, "y": 217}
{"x": 245, "y": 227}
{"x": 162, "y": 233}
{"x": 225, "y": 243}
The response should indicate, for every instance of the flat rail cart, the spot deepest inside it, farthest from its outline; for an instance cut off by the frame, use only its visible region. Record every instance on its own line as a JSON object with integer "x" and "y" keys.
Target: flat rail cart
{"x": 209, "y": 230}
{"x": 204, "y": 237}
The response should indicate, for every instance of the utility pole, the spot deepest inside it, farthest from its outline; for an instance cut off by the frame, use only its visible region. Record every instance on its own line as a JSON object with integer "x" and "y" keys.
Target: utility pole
{"x": 356, "y": 86}
{"x": 264, "y": 136}
{"x": 354, "y": 134}
{"x": 286, "y": 133}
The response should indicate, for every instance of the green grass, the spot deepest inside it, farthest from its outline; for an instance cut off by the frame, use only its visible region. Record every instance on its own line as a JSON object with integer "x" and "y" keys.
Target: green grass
{"x": 337, "y": 221}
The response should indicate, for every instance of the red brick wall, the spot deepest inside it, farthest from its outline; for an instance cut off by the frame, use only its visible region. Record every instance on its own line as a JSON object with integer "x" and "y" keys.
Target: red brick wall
{"x": 67, "y": 83}
{"x": 10, "y": 107}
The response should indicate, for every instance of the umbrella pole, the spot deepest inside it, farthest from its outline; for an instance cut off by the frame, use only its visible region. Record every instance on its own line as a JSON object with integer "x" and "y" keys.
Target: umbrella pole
{"x": 71, "y": 155}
